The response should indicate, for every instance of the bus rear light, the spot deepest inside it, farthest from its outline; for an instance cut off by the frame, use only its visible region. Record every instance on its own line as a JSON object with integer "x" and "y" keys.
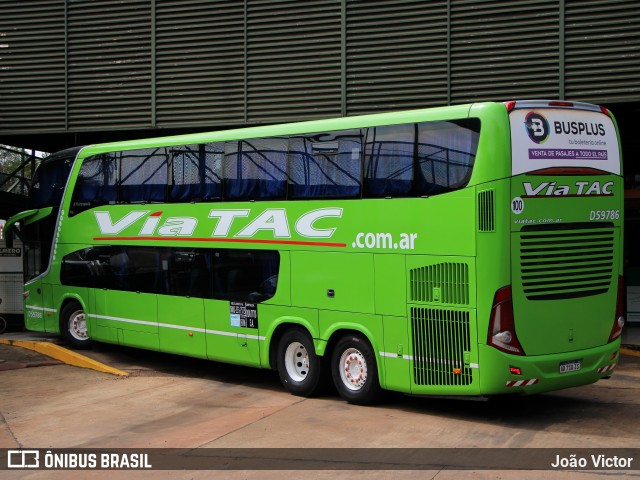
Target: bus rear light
{"x": 560, "y": 171}
{"x": 515, "y": 371}
{"x": 605, "y": 110}
{"x": 618, "y": 321}
{"x": 502, "y": 330}
{"x": 510, "y": 105}
{"x": 561, "y": 104}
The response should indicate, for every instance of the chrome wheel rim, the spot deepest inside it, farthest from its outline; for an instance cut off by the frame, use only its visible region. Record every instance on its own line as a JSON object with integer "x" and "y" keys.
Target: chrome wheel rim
{"x": 353, "y": 369}
{"x": 296, "y": 361}
{"x": 78, "y": 325}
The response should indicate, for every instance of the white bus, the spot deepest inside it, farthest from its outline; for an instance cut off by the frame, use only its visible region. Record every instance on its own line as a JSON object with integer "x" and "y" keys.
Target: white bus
{"x": 11, "y": 283}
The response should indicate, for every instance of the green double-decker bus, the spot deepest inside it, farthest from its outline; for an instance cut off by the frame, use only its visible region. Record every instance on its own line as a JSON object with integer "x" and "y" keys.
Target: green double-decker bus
{"x": 463, "y": 250}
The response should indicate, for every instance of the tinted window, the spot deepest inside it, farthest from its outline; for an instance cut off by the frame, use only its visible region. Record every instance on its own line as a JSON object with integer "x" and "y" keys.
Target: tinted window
{"x": 143, "y": 175}
{"x": 389, "y": 160}
{"x": 196, "y": 172}
{"x": 236, "y": 275}
{"x": 420, "y": 159}
{"x": 446, "y": 153}
{"x": 325, "y": 165}
{"x": 49, "y": 181}
{"x": 256, "y": 169}
{"x": 97, "y": 183}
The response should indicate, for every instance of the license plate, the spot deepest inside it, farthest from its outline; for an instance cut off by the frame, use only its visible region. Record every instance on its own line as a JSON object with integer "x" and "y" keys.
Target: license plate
{"x": 571, "y": 366}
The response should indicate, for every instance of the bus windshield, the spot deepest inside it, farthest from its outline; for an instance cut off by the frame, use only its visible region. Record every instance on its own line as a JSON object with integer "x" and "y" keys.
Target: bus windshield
{"x": 50, "y": 179}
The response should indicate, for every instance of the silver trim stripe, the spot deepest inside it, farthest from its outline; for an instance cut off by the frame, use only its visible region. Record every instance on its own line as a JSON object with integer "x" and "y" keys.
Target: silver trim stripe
{"x": 177, "y": 327}
{"x": 411, "y": 357}
{"x": 42, "y": 309}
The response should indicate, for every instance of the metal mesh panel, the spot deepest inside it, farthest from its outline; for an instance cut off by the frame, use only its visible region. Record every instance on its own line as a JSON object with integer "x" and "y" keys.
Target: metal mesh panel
{"x": 440, "y": 341}
{"x": 32, "y": 66}
{"x": 504, "y": 50}
{"x": 11, "y": 293}
{"x": 109, "y": 63}
{"x": 293, "y": 59}
{"x": 443, "y": 282}
{"x": 199, "y": 62}
{"x": 602, "y": 50}
{"x": 396, "y": 55}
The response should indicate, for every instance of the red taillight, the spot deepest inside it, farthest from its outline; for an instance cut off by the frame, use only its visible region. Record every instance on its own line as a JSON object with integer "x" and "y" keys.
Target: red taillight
{"x": 605, "y": 110}
{"x": 560, "y": 104}
{"x": 618, "y": 321}
{"x": 502, "y": 329}
{"x": 510, "y": 105}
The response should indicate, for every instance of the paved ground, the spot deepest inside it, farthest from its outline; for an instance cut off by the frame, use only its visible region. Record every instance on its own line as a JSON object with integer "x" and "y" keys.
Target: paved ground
{"x": 176, "y": 402}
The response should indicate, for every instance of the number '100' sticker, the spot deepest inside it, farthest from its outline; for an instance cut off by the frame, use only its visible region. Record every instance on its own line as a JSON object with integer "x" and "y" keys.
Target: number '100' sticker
{"x": 517, "y": 205}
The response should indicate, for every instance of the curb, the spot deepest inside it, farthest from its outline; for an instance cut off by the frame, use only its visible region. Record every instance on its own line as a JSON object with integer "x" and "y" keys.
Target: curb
{"x": 67, "y": 356}
{"x": 629, "y": 353}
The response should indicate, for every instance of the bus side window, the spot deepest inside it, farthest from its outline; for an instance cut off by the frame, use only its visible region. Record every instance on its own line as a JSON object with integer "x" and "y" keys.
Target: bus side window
{"x": 245, "y": 275}
{"x": 144, "y": 175}
{"x": 196, "y": 172}
{"x": 446, "y": 154}
{"x": 256, "y": 169}
{"x": 389, "y": 160}
{"x": 325, "y": 165}
{"x": 189, "y": 274}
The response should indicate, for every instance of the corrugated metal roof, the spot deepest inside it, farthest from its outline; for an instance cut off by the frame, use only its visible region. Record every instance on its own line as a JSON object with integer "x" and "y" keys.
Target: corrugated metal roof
{"x": 105, "y": 65}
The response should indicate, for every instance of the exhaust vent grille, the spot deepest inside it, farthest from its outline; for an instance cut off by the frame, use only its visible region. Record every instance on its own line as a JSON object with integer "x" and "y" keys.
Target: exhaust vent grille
{"x": 440, "y": 341}
{"x": 486, "y": 211}
{"x": 443, "y": 283}
{"x": 576, "y": 261}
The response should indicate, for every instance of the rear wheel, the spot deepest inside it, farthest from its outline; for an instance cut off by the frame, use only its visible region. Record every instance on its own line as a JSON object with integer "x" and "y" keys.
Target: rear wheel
{"x": 73, "y": 326}
{"x": 299, "y": 367}
{"x": 354, "y": 370}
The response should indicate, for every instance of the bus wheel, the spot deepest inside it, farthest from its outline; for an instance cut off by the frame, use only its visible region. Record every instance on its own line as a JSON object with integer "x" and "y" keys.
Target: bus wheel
{"x": 73, "y": 326}
{"x": 299, "y": 367}
{"x": 354, "y": 370}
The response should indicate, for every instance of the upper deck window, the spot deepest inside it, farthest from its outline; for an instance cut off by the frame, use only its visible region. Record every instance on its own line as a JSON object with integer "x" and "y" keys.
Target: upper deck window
{"x": 415, "y": 159}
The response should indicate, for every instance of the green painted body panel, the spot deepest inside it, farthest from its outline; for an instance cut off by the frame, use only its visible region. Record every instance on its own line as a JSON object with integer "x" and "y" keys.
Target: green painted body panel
{"x": 416, "y": 276}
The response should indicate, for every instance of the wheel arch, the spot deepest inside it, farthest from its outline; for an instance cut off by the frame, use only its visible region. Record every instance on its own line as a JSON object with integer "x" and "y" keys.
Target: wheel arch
{"x": 278, "y": 328}
{"x": 66, "y": 300}
{"x": 340, "y": 331}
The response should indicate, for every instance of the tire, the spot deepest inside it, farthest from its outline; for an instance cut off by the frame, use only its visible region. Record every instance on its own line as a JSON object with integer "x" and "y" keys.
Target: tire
{"x": 73, "y": 326}
{"x": 3, "y": 325}
{"x": 355, "y": 371}
{"x": 299, "y": 368}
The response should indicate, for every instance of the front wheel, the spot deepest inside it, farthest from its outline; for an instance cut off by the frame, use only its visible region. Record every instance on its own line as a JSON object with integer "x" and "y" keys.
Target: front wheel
{"x": 354, "y": 370}
{"x": 73, "y": 326}
{"x": 299, "y": 368}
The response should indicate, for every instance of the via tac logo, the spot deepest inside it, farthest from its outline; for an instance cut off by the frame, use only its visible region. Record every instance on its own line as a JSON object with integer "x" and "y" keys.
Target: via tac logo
{"x": 537, "y": 127}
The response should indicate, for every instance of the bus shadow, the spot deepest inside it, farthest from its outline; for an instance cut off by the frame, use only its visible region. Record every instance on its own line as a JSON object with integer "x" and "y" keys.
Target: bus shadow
{"x": 139, "y": 363}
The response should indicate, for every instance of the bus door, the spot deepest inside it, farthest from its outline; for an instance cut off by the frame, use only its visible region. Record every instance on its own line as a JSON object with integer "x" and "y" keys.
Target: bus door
{"x": 181, "y": 310}
{"x": 241, "y": 279}
{"x": 128, "y": 305}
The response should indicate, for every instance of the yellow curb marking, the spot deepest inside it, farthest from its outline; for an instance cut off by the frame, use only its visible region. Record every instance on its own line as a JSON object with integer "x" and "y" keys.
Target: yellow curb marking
{"x": 628, "y": 352}
{"x": 67, "y": 356}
